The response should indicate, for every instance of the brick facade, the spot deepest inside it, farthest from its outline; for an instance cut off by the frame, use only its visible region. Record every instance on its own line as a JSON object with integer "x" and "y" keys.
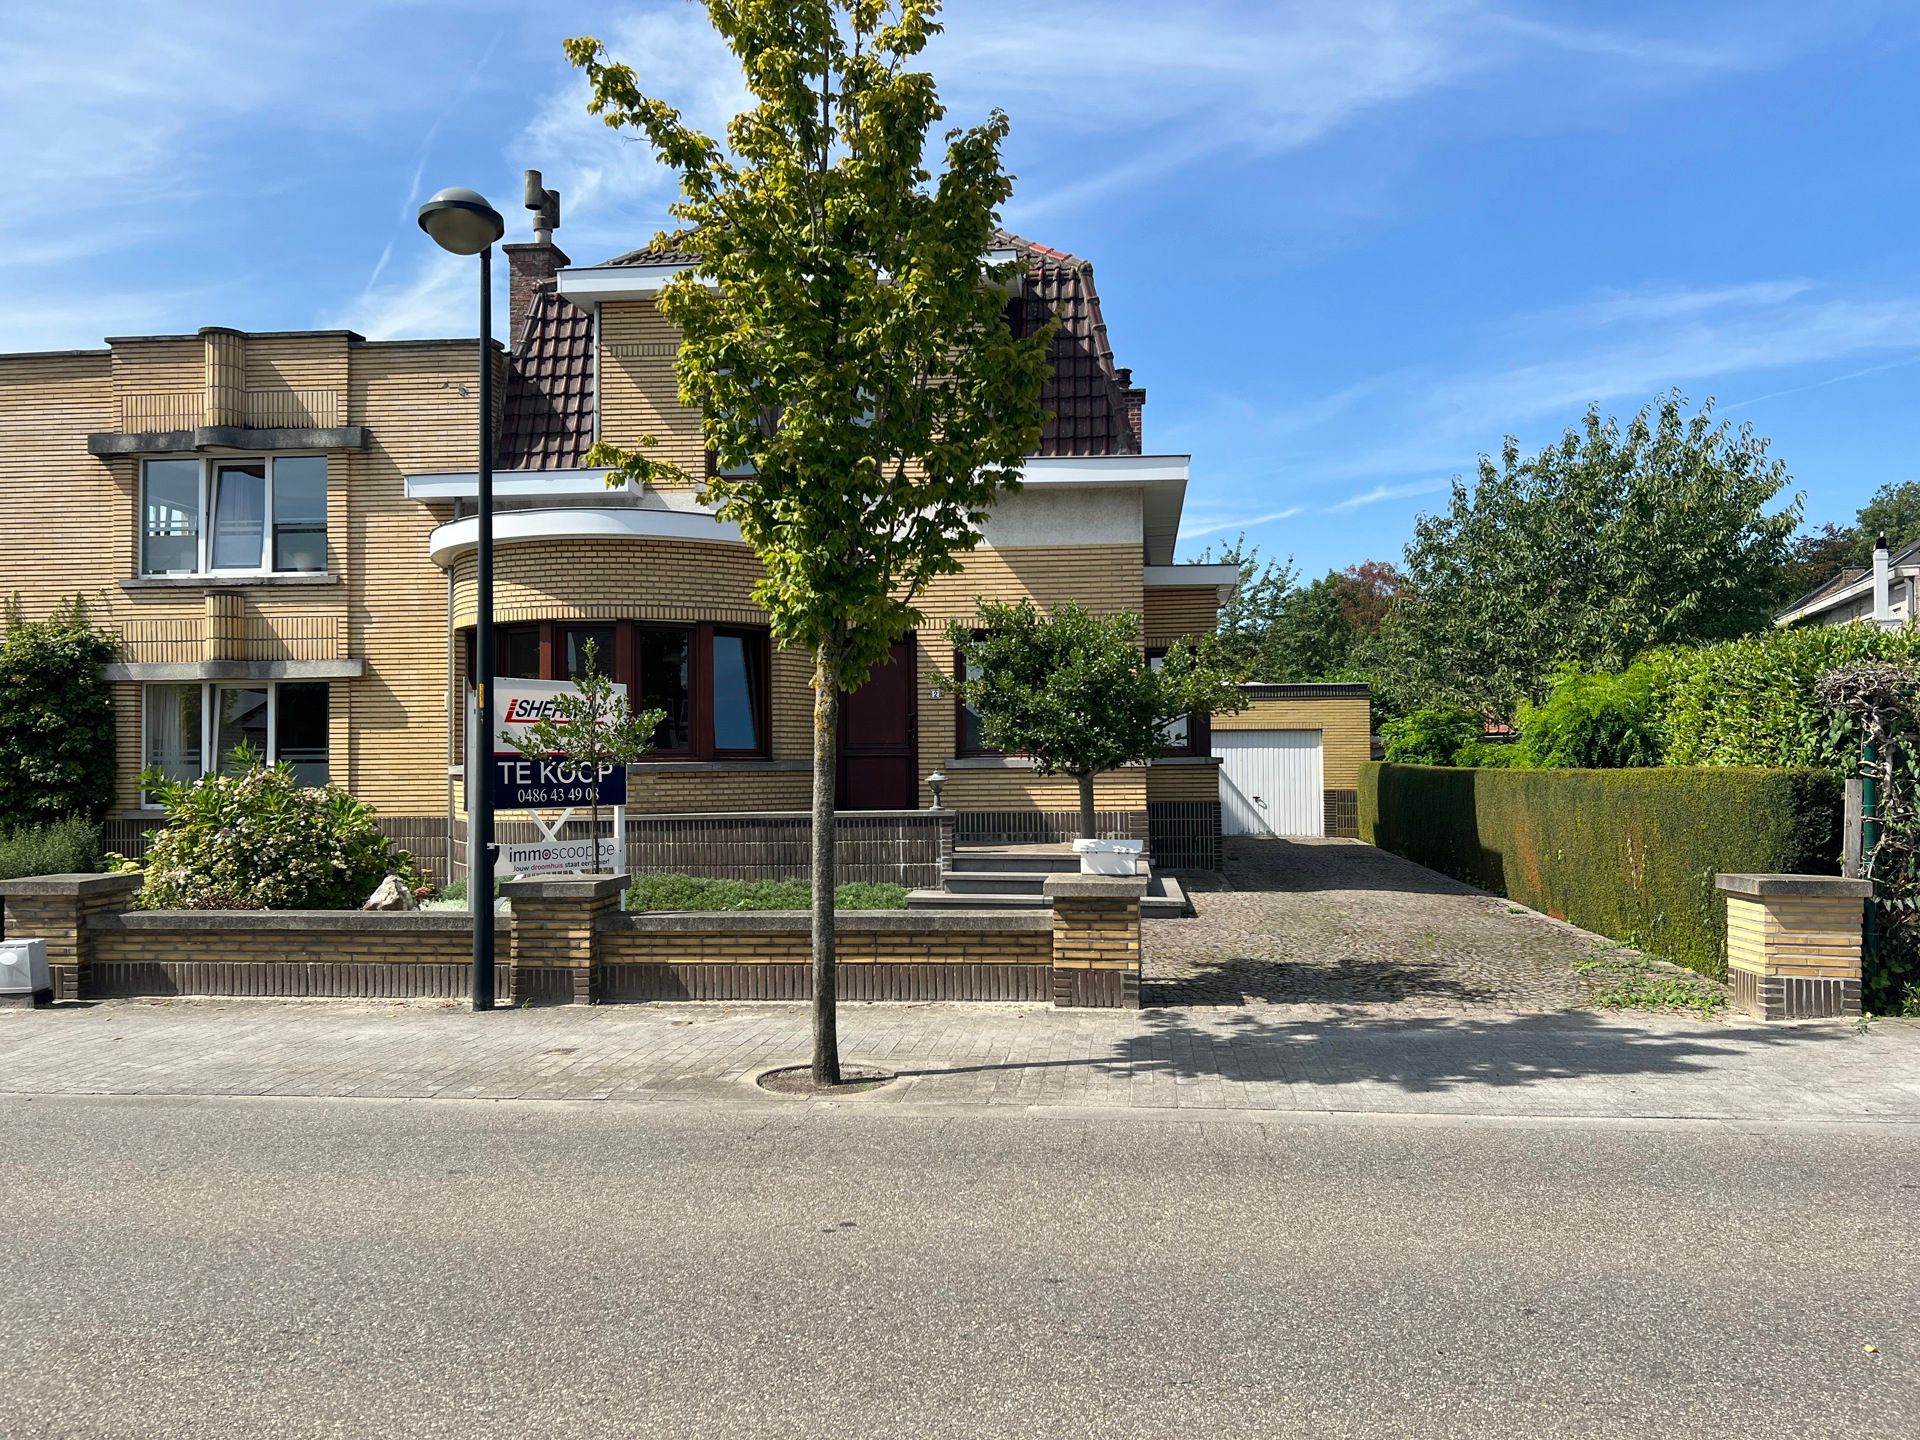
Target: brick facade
{"x": 1793, "y": 944}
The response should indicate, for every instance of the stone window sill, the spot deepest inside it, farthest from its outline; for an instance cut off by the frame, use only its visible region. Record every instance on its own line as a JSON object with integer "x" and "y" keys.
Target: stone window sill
{"x": 224, "y": 582}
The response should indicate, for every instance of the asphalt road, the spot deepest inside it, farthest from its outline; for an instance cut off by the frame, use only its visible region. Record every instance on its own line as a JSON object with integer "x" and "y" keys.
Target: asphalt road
{"x": 297, "y": 1268}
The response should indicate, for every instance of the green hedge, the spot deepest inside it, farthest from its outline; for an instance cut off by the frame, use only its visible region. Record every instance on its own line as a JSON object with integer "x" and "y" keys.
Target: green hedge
{"x": 1629, "y": 854}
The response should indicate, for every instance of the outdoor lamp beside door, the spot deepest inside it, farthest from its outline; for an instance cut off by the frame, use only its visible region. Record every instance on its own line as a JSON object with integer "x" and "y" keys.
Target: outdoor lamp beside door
{"x": 463, "y": 223}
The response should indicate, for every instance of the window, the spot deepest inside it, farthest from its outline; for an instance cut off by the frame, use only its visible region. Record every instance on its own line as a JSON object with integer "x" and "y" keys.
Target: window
{"x": 739, "y": 691}
{"x": 1189, "y": 734}
{"x": 254, "y": 517}
{"x": 300, "y": 722}
{"x": 174, "y": 745}
{"x": 966, "y": 719}
{"x": 709, "y": 681}
{"x": 578, "y": 639}
{"x": 242, "y": 716}
{"x": 666, "y": 683}
{"x": 191, "y": 729}
{"x": 300, "y": 514}
{"x": 170, "y": 532}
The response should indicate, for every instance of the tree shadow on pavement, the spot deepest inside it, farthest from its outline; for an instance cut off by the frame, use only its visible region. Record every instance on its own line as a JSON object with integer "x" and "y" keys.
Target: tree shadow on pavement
{"x": 1234, "y": 982}
{"x": 1430, "y": 1054}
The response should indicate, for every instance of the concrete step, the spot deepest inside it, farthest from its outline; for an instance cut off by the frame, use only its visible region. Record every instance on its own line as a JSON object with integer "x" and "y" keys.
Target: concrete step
{"x": 1164, "y": 900}
{"x": 993, "y": 882}
{"x": 1023, "y": 860}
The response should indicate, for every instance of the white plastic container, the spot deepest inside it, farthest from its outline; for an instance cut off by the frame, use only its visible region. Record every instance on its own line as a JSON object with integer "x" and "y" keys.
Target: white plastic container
{"x": 23, "y": 968}
{"x": 1109, "y": 857}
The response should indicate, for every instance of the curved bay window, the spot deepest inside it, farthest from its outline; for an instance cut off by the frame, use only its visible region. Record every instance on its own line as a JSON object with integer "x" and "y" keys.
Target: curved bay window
{"x": 709, "y": 680}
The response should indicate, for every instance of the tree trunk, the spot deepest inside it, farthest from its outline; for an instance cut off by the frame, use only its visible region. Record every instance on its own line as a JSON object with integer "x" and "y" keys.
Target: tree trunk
{"x": 1088, "y": 830}
{"x": 593, "y": 838}
{"x": 826, "y": 725}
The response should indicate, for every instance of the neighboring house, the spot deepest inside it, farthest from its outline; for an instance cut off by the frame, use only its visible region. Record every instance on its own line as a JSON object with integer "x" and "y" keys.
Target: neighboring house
{"x": 279, "y": 528}
{"x": 1885, "y": 594}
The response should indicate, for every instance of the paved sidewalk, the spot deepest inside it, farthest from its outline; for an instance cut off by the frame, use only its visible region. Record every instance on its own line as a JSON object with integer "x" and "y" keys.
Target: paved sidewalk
{"x": 1260, "y": 1058}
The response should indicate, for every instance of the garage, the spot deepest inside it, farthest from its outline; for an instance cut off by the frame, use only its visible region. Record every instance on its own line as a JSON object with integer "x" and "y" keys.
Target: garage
{"x": 1271, "y": 782}
{"x": 1290, "y": 761}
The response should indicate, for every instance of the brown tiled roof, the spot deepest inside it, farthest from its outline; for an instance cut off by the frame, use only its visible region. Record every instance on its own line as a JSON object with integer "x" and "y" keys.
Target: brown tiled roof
{"x": 1086, "y": 398}
{"x": 547, "y": 422}
{"x": 1092, "y": 407}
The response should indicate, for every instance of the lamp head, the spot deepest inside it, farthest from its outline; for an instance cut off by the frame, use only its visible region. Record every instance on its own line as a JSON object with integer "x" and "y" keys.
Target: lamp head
{"x": 461, "y": 221}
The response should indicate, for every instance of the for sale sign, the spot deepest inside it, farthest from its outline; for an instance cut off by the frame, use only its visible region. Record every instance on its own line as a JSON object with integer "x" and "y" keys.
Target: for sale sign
{"x": 560, "y": 857}
{"x": 544, "y": 782}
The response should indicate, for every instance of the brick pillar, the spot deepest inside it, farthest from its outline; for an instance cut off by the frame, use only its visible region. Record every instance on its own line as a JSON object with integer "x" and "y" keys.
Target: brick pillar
{"x": 1096, "y": 939}
{"x": 1793, "y": 944}
{"x": 224, "y": 637}
{"x": 54, "y": 908}
{"x": 226, "y": 376}
{"x": 555, "y": 954}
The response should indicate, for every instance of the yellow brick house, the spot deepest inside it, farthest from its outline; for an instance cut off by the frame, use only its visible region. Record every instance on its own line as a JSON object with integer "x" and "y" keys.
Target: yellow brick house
{"x": 279, "y": 528}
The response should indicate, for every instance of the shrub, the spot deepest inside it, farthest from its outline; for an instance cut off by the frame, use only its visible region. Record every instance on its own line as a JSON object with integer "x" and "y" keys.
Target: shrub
{"x": 56, "y": 741}
{"x": 1488, "y": 755}
{"x": 255, "y": 840}
{"x": 692, "y": 892}
{"x": 1630, "y": 854}
{"x": 1752, "y": 701}
{"x": 65, "y": 847}
{"x": 1592, "y": 722}
{"x": 1429, "y": 737}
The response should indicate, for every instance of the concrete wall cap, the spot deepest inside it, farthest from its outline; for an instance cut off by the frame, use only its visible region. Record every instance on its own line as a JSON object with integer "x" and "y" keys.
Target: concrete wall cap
{"x": 304, "y": 921}
{"x": 565, "y": 887}
{"x": 73, "y": 886}
{"x": 799, "y": 922}
{"x": 1095, "y": 887}
{"x": 1799, "y": 887}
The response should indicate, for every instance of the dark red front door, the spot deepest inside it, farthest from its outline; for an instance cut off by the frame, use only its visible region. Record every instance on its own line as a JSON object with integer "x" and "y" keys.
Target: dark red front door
{"x": 879, "y": 738}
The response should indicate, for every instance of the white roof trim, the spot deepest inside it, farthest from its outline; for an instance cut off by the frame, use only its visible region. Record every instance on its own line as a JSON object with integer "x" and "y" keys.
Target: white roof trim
{"x": 1224, "y": 579}
{"x": 1105, "y": 469}
{"x": 615, "y": 282}
{"x": 1195, "y": 574}
{"x": 515, "y": 485}
{"x": 518, "y": 527}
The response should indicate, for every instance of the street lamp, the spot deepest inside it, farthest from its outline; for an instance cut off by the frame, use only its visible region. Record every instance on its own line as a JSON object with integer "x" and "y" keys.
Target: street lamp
{"x": 463, "y": 223}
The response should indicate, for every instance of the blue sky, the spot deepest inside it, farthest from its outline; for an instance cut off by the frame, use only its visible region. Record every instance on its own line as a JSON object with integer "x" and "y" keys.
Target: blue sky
{"x": 1345, "y": 246}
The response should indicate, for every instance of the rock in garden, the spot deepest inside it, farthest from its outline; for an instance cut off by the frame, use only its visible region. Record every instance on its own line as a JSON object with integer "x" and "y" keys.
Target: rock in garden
{"x": 393, "y": 894}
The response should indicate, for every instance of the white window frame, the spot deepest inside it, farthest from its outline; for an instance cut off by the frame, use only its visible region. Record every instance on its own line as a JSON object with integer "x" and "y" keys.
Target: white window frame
{"x": 209, "y": 467}
{"x": 210, "y": 721}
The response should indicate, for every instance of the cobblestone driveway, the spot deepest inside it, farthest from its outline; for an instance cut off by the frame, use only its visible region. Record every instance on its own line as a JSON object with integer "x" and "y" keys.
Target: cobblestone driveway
{"x": 1336, "y": 922}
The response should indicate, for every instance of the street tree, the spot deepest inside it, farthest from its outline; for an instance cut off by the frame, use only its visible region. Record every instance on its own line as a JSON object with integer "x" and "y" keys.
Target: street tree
{"x": 594, "y": 729}
{"x": 1614, "y": 540}
{"x": 843, "y": 339}
{"x": 1076, "y": 692}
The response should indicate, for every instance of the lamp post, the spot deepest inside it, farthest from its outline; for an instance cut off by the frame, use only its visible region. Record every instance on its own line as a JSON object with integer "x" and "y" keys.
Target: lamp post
{"x": 463, "y": 223}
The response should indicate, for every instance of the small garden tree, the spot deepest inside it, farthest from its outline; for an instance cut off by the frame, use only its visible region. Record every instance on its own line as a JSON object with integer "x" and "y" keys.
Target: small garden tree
{"x": 846, "y": 347}
{"x": 56, "y": 737}
{"x": 592, "y": 728}
{"x": 1075, "y": 691}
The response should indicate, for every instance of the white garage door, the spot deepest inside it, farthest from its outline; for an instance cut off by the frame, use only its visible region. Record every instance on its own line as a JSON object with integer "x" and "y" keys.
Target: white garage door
{"x": 1270, "y": 782}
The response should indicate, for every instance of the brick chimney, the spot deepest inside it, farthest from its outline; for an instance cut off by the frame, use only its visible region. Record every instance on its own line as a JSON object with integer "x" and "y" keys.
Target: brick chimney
{"x": 1134, "y": 400}
{"x": 532, "y": 267}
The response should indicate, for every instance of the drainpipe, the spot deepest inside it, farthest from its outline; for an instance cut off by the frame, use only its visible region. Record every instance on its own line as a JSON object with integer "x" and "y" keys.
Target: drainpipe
{"x": 1882, "y": 599}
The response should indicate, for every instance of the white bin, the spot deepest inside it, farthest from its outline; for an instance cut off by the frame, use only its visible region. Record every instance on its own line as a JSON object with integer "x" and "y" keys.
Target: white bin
{"x": 23, "y": 968}
{"x": 1109, "y": 857}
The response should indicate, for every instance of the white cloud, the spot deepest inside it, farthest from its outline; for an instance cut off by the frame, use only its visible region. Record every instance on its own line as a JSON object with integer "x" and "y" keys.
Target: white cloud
{"x": 1244, "y": 522}
{"x": 1388, "y": 492}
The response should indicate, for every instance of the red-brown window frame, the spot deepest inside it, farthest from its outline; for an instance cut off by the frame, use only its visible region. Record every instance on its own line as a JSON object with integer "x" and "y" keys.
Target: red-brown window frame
{"x": 623, "y": 666}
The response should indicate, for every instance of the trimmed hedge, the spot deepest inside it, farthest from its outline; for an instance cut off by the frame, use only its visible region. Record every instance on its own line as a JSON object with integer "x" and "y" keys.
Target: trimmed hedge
{"x": 1630, "y": 854}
